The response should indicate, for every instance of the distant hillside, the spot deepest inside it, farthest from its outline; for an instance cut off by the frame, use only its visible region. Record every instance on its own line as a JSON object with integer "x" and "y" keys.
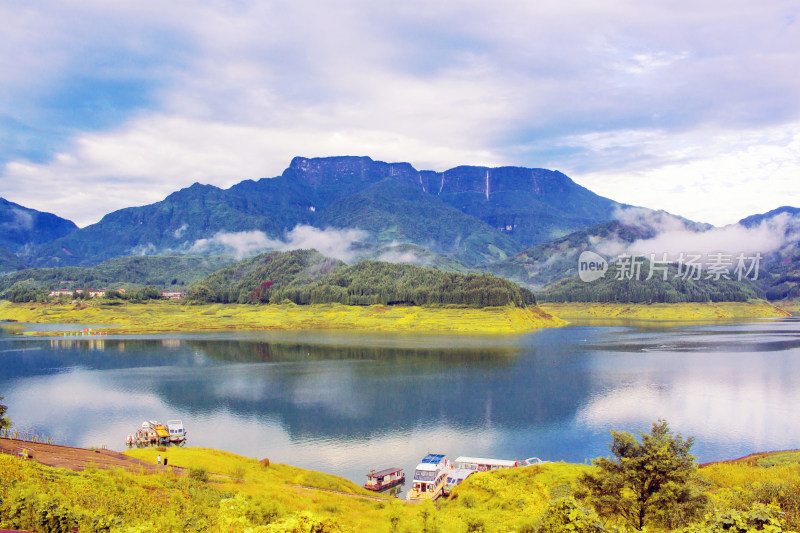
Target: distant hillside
{"x": 9, "y": 262}
{"x": 552, "y": 261}
{"x": 779, "y": 274}
{"x": 755, "y": 220}
{"x": 21, "y": 227}
{"x": 307, "y": 277}
{"x": 160, "y": 271}
{"x": 654, "y": 290}
{"x": 476, "y": 214}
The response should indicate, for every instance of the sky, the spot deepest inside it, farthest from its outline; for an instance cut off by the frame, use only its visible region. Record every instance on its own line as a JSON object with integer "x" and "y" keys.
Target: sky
{"x": 692, "y": 107}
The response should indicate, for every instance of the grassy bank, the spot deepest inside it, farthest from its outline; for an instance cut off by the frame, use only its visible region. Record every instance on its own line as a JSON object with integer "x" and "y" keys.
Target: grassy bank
{"x": 167, "y": 317}
{"x": 790, "y": 306}
{"x": 679, "y": 312}
{"x": 223, "y": 492}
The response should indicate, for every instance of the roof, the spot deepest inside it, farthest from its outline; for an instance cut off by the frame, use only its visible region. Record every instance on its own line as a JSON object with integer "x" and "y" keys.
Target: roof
{"x": 482, "y": 461}
{"x": 385, "y": 472}
{"x": 428, "y": 467}
{"x": 461, "y": 473}
{"x": 433, "y": 458}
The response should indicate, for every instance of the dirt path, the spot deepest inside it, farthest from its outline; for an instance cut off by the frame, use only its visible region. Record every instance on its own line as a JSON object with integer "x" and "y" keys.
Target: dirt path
{"x": 349, "y": 495}
{"x": 75, "y": 458}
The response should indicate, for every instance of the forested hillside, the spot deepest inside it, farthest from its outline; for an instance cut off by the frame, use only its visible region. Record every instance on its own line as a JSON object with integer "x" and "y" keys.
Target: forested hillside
{"x": 307, "y": 277}
{"x": 612, "y": 288}
{"x": 159, "y": 271}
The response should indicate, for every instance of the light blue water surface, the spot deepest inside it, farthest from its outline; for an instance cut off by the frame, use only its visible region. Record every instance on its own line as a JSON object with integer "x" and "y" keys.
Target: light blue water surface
{"x": 348, "y": 403}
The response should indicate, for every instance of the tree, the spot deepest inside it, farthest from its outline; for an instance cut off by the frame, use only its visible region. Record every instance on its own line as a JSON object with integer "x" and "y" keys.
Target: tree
{"x": 4, "y": 421}
{"x": 647, "y": 482}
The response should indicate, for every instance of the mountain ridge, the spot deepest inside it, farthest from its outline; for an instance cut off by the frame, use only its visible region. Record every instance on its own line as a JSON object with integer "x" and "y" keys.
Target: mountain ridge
{"x": 513, "y": 204}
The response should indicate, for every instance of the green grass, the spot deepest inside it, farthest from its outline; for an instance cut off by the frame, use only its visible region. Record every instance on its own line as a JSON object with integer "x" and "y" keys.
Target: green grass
{"x": 780, "y": 459}
{"x": 272, "y": 498}
{"x": 167, "y": 317}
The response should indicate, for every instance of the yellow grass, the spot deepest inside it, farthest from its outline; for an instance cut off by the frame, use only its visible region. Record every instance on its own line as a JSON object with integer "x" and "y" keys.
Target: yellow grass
{"x": 166, "y": 317}
{"x": 790, "y": 306}
{"x": 680, "y": 312}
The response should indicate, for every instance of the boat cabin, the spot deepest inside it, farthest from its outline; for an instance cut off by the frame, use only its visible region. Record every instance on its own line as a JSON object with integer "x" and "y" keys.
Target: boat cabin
{"x": 484, "y": 465}
{"x": 429, "y": 477}
{"x": 384, "y": 479}
{"x": 455, "y": 477}
{"x": 176, "y": 431}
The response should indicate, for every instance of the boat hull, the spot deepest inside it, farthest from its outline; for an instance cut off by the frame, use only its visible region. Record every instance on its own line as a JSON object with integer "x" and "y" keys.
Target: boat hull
{"x": 382, "y": 486}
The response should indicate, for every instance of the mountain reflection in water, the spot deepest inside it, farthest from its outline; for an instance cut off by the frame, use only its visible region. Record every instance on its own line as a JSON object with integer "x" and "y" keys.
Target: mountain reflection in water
{"x": 348, "y": 403}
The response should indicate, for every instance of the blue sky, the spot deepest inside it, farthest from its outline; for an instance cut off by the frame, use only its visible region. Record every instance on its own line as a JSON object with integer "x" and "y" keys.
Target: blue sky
{"x": 692, "y": 107}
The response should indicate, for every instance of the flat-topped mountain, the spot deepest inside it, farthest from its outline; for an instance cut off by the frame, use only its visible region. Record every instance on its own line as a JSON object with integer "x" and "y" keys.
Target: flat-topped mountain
{"x": 475, "y": 214}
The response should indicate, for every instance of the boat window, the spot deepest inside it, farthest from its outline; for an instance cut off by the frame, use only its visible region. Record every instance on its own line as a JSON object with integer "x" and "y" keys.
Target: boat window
{"x": 424, "y": 475}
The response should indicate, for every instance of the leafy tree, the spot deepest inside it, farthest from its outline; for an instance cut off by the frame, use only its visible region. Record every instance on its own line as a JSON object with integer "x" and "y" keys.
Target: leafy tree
{"x": 647, "y": 482}
{"x": 4, "y": 421}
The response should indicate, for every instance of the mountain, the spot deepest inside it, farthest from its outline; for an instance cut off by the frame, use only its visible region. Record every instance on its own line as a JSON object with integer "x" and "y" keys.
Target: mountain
{"x": 531, "y": 205}
{"x": 754, "y": 220}
{"x": 779, "y": 274}
{"x": 308, "y": 277}
{"x": 395, "y": 211}
{"x": 22, "y": 228}
{"x": 475, "y": 214}
{"x": 9, "y": 262}
{"x": 552, "y": 261}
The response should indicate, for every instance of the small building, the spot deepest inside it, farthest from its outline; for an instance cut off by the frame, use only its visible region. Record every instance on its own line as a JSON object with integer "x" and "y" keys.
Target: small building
{"x": 61, "y": 292}
{"x": 173, "y": 295}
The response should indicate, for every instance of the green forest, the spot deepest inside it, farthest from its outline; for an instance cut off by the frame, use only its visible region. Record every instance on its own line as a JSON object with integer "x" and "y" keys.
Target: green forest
{"x": 307, "y": 277}
{"x": 615, "y": 287}
{"x": 160, "y": 271}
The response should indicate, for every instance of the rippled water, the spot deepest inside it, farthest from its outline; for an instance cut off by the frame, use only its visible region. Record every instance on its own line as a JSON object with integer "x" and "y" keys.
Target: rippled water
{"x": 345, "y": 404}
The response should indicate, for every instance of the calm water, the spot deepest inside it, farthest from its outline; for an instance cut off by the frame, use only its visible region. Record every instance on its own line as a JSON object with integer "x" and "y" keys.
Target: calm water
{"x": 345, "y": 404}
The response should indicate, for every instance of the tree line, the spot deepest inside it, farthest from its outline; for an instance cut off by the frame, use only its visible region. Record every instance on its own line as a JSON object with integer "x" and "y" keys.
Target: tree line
{"x": 616, "y": 287}
{"x": 307, "y": 277}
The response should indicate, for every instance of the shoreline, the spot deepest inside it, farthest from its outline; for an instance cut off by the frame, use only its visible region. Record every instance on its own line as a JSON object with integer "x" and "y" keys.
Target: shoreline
{"x": 170, "y": 317}
{"x": 680, "y": 313}
{"x": 156, "y": 317}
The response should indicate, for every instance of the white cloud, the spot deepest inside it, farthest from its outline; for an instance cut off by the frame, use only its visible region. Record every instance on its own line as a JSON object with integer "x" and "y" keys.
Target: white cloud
{"x": 240, "y": 243}
{"x": 698, "y": 108}
{"x": 710, "y": 175}
{"x": 329, "y": 242}
{"x": 22, "y": 220}
{"x": 674, "y": 236}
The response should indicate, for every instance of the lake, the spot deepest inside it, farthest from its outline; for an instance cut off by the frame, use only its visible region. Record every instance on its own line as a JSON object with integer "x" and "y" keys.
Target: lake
{"x": 347, "y": 403}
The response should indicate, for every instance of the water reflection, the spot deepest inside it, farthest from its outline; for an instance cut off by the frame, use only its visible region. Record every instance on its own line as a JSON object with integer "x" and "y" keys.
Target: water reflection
{"x": 346, "y": 404}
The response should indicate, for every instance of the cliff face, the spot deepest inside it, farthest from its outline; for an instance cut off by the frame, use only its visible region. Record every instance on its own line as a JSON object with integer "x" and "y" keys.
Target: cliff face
{"x": 530, "y": 205}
